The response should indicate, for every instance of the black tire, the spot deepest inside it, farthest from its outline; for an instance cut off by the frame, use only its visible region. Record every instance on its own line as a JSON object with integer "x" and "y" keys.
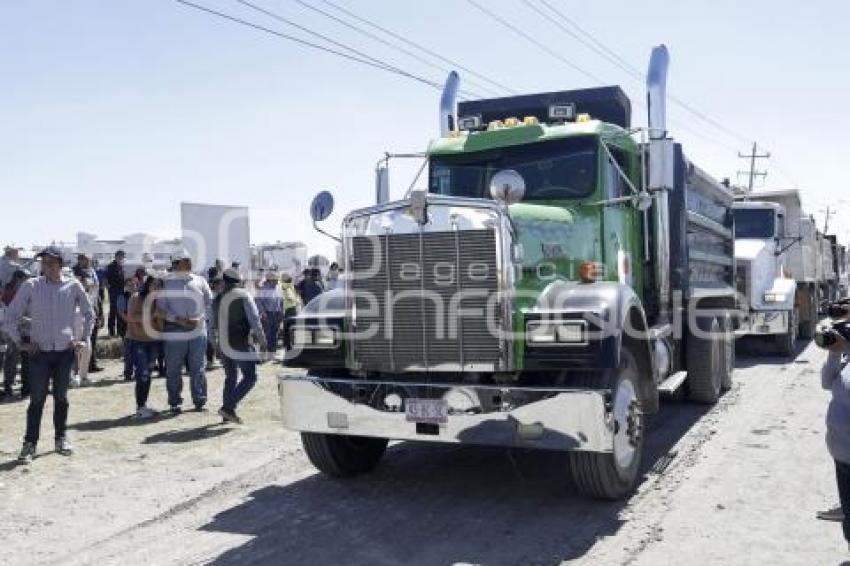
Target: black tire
{"x": 705, "y": 362}
{"x": 605, "y": 475}
{"x": 786, "y": 344}
{"x": 809, "y": 326}
{"x": 728, "y": 340}
{"x": 343, "y": 456}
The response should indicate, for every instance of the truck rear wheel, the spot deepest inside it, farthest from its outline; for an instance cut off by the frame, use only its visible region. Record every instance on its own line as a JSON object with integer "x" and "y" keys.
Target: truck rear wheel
{"x": 343, "y": 456}
{"x": 705, "y": 362}
{"x": 612, "y": 475}
{"x": 786, "y": 344}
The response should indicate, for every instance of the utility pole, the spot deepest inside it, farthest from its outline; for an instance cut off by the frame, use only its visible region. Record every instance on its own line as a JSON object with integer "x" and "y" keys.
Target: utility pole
{"x": 828, "y": 212}
{"x": 753, "y": 173}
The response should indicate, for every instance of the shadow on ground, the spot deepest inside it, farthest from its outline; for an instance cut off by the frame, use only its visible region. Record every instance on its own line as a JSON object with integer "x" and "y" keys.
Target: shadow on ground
{"x": 760, "y": 351}
{"x": 188, "y": 435}
{"x": 438, "y": 504}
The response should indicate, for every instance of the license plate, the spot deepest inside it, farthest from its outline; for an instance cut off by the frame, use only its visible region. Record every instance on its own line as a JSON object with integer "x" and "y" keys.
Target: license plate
{"x": 433, "y": 411}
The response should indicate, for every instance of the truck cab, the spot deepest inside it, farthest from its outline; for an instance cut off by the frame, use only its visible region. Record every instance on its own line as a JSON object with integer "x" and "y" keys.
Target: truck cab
{"x": 766, "y": 286}
{"x": 533, "y": 296}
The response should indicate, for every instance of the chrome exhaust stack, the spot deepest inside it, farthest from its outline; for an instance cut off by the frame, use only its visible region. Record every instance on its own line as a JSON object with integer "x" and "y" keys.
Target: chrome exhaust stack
{"x": 661, "y": 171}
{"x": 448, "y": 104}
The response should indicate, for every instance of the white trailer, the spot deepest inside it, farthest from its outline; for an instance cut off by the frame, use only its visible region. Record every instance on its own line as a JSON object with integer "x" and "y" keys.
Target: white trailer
{"x": 286, "y": 257}
{"x": 799, "y": 248}
{"x": 213, "y": 231}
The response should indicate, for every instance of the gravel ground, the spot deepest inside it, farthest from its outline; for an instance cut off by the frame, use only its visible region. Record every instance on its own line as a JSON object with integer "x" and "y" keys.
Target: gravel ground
{"x": 737, "y": 484}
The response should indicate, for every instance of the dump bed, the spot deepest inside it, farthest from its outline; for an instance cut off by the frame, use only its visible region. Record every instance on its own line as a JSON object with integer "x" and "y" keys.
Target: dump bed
{"x": 702, "y": 254}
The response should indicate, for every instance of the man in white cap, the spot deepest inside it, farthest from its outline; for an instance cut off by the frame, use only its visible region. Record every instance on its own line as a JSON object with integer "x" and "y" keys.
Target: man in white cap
{"x": 185, "y": 299}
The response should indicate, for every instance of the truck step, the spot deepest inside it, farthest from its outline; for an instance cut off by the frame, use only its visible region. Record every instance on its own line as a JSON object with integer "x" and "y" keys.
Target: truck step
{"x": 672, "y": 383}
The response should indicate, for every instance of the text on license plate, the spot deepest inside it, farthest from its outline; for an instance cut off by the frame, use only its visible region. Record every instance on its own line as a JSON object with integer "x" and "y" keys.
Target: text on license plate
{"x": 435, "y": 411}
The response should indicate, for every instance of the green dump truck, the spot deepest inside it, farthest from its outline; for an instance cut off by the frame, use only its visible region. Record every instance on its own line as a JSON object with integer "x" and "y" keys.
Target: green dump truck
{"x": 561, "y": 271}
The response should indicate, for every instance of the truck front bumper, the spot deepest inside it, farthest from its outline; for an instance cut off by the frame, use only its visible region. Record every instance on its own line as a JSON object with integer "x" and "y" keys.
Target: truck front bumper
{"x": 574, "y": 420}
{"x": 764, "y": 323}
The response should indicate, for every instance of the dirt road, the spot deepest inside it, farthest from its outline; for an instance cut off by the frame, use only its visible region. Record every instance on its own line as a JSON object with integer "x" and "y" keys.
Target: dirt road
{"x": 737, "y": 484}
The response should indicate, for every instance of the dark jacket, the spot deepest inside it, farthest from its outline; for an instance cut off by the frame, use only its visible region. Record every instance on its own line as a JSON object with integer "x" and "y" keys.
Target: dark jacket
{"x": 241, "y": 317}
{"x": 115, "y": 276}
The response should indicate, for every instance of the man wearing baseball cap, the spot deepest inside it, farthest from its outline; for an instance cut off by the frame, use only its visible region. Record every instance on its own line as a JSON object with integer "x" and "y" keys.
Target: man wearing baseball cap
{"x": 50, "y": 301}
{"x": 236, "y": 324}
{"x": 185, "y": 299}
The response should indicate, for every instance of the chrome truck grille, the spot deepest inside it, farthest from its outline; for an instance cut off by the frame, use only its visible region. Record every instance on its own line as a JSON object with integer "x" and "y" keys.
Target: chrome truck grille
{"x": 421, "y": 301}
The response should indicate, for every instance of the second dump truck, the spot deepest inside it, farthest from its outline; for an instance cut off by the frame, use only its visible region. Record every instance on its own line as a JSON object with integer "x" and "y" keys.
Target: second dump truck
{"x": 778, "y": 255}
{"x": 559, "y": 273}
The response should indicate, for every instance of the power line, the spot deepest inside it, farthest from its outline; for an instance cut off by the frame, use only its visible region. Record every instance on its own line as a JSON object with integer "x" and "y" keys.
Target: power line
{"x": 330, "y": 40}
{"x": 590, "y": 41}
{"x": 572, "y": 65}
{"x": 390, "y": 44}
{"x": 310, "y": 44}
{"x": 531, "y": 39}
{"x": 407, "y": 41}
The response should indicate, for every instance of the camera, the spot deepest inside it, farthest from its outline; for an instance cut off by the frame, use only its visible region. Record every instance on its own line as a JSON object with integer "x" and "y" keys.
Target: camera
{"x": 828, "y": 335}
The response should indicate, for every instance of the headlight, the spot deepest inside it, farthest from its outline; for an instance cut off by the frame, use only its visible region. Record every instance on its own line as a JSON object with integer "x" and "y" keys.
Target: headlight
{"x": 570, "y": 333}
{"x": 324, "y": 337}
{"x": 771, "y": 297}
{"x": 316, "y": 337}
{"x": 554, "y": 333}
{"x": 302, "y": 337}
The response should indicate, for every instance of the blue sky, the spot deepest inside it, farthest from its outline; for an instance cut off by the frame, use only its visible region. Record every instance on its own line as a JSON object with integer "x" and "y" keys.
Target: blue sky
{"x": 114, "y": 112}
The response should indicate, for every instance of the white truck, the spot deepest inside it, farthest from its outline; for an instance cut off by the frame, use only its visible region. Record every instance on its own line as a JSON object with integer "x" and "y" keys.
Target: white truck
{"x": 802, "y": 256}
{"x": 769, "y": 291}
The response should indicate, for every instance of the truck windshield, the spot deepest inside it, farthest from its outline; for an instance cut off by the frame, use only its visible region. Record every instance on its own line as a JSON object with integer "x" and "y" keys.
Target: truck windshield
{"x": 551, "y": 170}
{"x": 754, "y": 223}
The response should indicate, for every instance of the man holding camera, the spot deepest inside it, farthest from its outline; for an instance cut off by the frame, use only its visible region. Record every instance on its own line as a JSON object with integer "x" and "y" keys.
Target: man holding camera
{"x": 835, "y": 377}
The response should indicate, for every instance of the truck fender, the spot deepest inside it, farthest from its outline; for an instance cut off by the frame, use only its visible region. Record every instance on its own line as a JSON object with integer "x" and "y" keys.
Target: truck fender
{"x": 616, "y": 307}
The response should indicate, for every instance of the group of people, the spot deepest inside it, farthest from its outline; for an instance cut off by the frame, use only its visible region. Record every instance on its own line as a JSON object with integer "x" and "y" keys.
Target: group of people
{"x": 168, "y": 321}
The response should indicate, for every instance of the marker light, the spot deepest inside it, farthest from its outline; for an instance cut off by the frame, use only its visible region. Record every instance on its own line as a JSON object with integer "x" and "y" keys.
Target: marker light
{"x": 562, "y": 111}
{"x": 468, "y": 123}
{"x": 530, "y": 121}
{"x": 581, "y": 118}
{"x": 511, "y": 122}
{"x": 495, "y": 125}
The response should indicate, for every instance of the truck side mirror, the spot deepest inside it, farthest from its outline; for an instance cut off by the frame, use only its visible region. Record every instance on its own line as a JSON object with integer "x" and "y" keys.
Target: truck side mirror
{"x": 322, "y": 206}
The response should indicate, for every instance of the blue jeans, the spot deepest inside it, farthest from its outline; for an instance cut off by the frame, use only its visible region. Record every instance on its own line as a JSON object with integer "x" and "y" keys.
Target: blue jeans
{"x": 143, "y": 356}
{"x": 235, "y": 391}
{"x": 273, "y": 322}
{"x": 129, "y": 357}
{"x": 44, "y": 367}
{"x": 192, "y": 352}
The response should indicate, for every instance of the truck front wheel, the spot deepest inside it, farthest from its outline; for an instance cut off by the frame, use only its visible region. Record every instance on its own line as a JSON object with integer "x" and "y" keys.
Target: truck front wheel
{"x": 343, "y": 456}
{"x": 612, "y": 475}
{"x": 786, "y": 343}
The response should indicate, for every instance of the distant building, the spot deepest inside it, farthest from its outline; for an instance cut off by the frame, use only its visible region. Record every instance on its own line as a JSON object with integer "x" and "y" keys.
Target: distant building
{"x": 142, "y": 250}
{"x": 286, "y": 257}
